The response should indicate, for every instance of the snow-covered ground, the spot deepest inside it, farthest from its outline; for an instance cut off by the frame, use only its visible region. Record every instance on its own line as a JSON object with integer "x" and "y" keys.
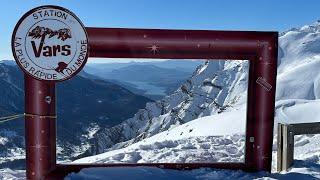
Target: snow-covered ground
{"x": 147, "y": 173}
{"x": 205, "y": 144}
{"x": 8, "y": 174}
{"x": 212, "y": 138}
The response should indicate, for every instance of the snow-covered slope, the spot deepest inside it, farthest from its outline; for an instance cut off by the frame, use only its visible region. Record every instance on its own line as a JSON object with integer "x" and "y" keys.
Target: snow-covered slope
{"x": 205, "y": 144}
{"x": 299, "y": 63}
{"x": 213, "y": 138}
{"x": 214, "y": 87}
{"x": 294, "y": 111}
{"x": 219, "y": 137}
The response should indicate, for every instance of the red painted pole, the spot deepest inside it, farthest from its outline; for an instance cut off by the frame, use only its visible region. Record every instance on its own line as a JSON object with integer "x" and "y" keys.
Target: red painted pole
{"x": 40, "y": 128}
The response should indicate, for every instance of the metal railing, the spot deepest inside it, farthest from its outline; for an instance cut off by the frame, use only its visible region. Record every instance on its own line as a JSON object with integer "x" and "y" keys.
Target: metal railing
{"x": 286, "y": 133}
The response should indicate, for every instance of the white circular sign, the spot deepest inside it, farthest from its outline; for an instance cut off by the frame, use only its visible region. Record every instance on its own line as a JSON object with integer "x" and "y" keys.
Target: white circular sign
{"x": 50, "y": 43}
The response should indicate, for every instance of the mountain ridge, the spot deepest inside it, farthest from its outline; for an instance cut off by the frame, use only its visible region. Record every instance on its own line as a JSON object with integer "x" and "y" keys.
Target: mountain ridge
{"x": 101, "y": 99}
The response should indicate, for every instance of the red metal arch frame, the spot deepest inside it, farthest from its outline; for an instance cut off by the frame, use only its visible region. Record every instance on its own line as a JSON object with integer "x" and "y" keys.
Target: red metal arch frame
{"x": 260, "y": 48}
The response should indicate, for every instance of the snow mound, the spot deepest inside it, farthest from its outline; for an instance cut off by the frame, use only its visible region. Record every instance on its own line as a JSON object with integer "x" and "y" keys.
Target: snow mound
{"x": 294, "y": 111}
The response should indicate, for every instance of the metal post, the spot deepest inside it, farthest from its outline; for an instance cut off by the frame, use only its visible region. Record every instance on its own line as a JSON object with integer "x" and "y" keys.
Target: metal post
{"x": 287, "y": 151}
{"x": 280, "y": 148}
{"x": 285, "y": 147}
{"x": 40, "y": 128}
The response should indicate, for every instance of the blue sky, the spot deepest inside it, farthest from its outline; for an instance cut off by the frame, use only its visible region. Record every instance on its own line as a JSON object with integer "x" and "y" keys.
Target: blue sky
{"x": 275, "y": 15}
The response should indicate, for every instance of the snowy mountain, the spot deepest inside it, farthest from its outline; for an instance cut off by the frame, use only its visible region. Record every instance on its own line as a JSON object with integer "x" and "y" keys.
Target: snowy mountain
{"x": 197, "y": 123}
{"x": 215, "y": 93}
{"x": 85, "y": 105}
{"x": 213, "y": 88}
